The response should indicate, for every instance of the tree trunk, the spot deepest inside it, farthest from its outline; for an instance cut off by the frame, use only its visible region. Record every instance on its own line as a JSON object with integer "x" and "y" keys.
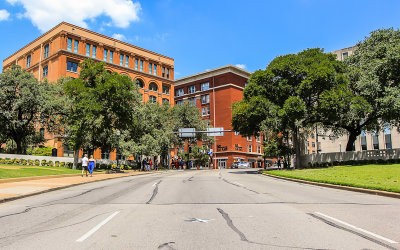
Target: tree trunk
{"x": 297, "y": 149}
{"x": 19, "y": 146}
{"x": 352, "y": 138}
{"x": 76, "y": 158}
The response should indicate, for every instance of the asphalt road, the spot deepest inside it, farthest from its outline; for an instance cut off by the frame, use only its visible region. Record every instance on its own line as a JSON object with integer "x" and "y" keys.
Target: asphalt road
{"x": 203, "y": 209}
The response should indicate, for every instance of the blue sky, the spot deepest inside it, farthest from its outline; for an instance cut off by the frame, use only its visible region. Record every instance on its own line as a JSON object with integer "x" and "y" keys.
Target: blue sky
{"x": 206, "y": 34}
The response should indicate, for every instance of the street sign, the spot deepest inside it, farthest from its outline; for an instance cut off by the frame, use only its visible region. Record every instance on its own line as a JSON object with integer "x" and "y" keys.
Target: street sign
{"x": 215, "y": 131}
{"x": 187, "y": 132}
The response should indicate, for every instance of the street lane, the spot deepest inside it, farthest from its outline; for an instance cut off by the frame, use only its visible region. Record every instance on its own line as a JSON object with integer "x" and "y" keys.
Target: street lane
{"x": 203, "y": 209}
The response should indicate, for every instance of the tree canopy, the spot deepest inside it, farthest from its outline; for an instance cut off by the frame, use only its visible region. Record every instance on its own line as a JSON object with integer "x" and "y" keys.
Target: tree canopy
{"x": 25, "y": 105}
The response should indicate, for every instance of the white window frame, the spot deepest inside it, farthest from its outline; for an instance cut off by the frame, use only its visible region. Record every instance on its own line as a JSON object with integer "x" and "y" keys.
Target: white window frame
{"x": 205, "y": 99}
{"x": 205, "y": 86}
{"x": 192, "y": 89}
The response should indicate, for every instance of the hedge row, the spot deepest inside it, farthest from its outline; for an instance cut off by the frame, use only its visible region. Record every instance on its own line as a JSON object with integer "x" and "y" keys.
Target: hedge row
{"x": 353, "y": 163}
{"x": 24, "y": 162}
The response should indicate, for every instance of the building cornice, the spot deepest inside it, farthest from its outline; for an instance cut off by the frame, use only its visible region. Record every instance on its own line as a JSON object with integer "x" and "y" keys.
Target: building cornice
{"x": 211, "y": 73}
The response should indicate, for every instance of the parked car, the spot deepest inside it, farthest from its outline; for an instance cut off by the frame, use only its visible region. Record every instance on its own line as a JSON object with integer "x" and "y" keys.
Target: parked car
{"x": 244, "y": 164}
{"x": 235, "y": 165}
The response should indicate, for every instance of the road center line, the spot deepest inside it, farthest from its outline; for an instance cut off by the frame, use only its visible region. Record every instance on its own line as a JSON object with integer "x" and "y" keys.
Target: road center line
{"x": 357, "y": 228}
{"x": 93, "y": 230}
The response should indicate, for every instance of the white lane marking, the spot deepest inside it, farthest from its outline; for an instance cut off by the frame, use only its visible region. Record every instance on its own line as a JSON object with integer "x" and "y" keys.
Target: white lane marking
{"x": 357, "y": 228}
{"x": 93, "y": 230}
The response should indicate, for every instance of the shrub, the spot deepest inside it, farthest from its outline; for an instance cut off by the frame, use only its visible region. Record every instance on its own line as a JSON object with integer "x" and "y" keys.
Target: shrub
{"x": 62, "y": 164}
{"x": 2, "y": 161}
{"x": 24, "y": 162}
{"x": 10, "y": 161}
{"x": 17, "y": 161}
{"x": 56, "y": 163}
{"x": 31, "y": 162}
{"x": 69, "y": 164}
{"x": 103, "y": 166}
{"x": 121, "y": 167}
{"x": 50, "y": 163}
{"x": 43, "y": 163}
{"x": 42, "y": 151}
{"x": 37, "y": 162}
{"x": 381, "y": 161}
{"x": 113, "y": 166}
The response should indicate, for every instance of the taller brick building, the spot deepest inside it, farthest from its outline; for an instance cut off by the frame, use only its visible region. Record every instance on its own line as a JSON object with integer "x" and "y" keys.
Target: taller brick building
{"x": 58, "y": 52}
{"x": 213, "y": 92}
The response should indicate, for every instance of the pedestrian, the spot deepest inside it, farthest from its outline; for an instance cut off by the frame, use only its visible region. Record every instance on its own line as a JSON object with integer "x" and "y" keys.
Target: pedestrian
{"x": 92, "y": 164}
{"x": 148, "y": 164}
{"x": 279, "y": 163}
{"x": 156, "y": 165}
{"x": 172, "y": 164}
{"x": 151, "y": 164}
{"x": 143, "y": 168}
{"x": 85, "y": 164}
{"x": 181, "y": 166}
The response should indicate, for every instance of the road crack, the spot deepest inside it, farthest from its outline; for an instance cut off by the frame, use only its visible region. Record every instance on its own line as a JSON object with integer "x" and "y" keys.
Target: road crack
{"x": 155, "y": 192}
{"x": 167, "y": 245}
{"x": 237, "y": 185}
{"x": 351, "y": 231}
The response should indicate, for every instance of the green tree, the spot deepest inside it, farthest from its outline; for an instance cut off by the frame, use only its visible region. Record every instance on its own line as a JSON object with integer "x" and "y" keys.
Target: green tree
{"x": 285, "y": 96}
{"x": 100, "y": 103}
{"x": 371, "y": 98}
{"x": 24, "y": 104}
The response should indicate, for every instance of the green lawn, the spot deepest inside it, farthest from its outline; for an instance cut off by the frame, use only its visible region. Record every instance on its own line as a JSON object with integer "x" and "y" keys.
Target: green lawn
{"x": 16, "y": 171}
{"x": 380, "y": 177}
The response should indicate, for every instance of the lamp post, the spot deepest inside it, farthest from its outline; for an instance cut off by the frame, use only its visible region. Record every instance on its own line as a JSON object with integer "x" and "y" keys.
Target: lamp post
{"x": 118, "y": 134}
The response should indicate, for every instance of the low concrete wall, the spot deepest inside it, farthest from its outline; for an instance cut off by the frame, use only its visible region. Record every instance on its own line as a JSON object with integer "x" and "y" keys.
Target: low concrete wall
{"x": 384, "y": 154}
{"x": 37, "y": 157}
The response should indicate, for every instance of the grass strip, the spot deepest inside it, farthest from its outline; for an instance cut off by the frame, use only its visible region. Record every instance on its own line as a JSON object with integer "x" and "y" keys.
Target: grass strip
{"x": 378, "y": 177}
{"x": 18, "y": 171}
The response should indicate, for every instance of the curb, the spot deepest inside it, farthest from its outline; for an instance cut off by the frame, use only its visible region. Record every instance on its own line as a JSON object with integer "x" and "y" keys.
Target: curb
{"x": 347, "y": 188}
{"x": 62, "y": 187}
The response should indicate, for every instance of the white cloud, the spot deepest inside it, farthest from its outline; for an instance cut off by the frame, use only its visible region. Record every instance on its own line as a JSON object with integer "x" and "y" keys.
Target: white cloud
{"x": 242, "y": 66}
{"x": 119, "y": 37}
{"x": 47, "y": 13}
{"x": 4, "y": 15}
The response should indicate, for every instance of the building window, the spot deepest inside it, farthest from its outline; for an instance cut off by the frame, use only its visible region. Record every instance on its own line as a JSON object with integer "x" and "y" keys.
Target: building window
{"x": 42, "y": 132}
{"x": 249, "y": 138}
{"x": 28, "y": 61}
{"x": 105, "y": 155}
{"x": 258, "y": 138}
{"x": 46, "y": 51}
{"x": 192, "y": 101}
{"x": 153, "y": 86}
{"x": 259, "y": 149}
{"x": 141, "y": 65}
{"x": 69, "y": 44}
{"x": 205, "y": 99}
{"x": 375, "y": 141}
{"x": 180, "y": 102}
{"x": 121, "y": 60}
{"x": 45, "y": 71}
{"x": 165, "y": 101}
{"x": 126, "y": 61}
{"x": 191, "y": 89}
{"x": 94, "y": 51}
{"x": 163, "y": 71}
{"x": 179, "y": 92}
{"x": 76, "y": 46}
{"x": 150, "y": 68}
{"x": 111, "y": 57}
{"x": 313, "y": 144}
{"x": 136, "y": 63}
{"x": 87, "y": 49}
{"x": 168, "y": 73}
{"x": 388, "y": 138}
{"x": 345, "y": 55}
{"x": 205, "y": 86}
{"x": 363, "y": 140}
{"x": 205, "y": 111}
{"x": 72, "y": 67}
{"x": 249, "y": 148}
{"x": 155, "y": 69}
{"x": 237, "y": 133}
{"x": 140, "y": 83}
{"x": 152, "y": 99}
{"x": 165, "y": 90}
{"x": 105, "y": 55}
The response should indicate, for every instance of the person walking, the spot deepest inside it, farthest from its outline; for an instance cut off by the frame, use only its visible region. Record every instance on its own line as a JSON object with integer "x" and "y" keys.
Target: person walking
{"x": 85, "y": 164}
{"x": 143, "y": 168}
{"x": 151, "y": 164}
{"x": 92, "y": 165}
{"x": 279, "y": 163}
{"x": 156, "y": 165}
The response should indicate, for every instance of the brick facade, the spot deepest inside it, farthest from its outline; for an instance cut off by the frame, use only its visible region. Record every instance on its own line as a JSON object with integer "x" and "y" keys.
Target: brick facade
{"x": 225, "y": 86}
{"x": 66, "y": 45}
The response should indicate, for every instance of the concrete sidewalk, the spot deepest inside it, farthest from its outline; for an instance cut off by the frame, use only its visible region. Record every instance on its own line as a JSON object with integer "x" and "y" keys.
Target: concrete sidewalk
{"x": 12, "y": 190}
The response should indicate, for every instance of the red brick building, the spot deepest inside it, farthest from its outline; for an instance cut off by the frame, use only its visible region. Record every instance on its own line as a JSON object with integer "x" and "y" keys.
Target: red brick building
{"x": 59, "y": 51}
{"x": 213, "y": 92}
